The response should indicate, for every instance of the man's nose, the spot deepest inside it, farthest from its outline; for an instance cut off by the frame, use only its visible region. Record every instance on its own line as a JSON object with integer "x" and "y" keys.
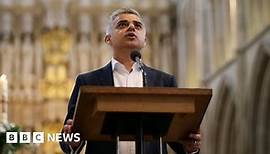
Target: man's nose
{"x": 131, "y": 27}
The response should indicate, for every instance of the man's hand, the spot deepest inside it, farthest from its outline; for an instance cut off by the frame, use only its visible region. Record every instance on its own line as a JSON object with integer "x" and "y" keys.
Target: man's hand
{"x": 193, "y": 143}
{"x": 68, "y": 128}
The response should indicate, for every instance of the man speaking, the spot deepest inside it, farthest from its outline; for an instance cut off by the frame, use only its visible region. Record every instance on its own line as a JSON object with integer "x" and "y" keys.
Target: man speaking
{"x": 125, "y": 33}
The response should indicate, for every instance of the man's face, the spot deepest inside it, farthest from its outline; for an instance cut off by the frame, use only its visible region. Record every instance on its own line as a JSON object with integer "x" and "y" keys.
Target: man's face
{"x": 127, "y": 31}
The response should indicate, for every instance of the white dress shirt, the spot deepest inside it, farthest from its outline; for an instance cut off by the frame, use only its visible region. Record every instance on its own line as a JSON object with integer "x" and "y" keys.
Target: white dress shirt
{"x": 124, "y": 78}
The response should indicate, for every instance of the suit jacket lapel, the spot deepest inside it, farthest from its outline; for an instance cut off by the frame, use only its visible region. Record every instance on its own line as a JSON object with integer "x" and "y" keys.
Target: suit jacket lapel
{"x": 106, "y": 77}
{"x": 149, "y": 76}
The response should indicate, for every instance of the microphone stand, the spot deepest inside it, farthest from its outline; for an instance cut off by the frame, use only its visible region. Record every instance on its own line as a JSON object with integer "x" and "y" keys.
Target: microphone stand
{"x": 141, "y": 66}
{"x": 140, "y": 131}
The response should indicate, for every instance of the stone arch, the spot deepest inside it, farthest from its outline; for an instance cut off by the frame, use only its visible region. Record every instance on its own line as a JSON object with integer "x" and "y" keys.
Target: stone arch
{"x": 263, "y": 121}
{"x": 259, "y": 81}
{"x": 227, "y": 131}
{"x": 225, "y": 121}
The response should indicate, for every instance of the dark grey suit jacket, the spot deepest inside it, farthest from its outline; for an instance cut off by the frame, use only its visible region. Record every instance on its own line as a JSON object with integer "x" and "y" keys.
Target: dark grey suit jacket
{"x": 104, "y": 77}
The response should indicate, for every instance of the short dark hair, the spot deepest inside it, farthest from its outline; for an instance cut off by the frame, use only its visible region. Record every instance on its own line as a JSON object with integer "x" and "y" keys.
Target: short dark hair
{"x": 118, "y": 12}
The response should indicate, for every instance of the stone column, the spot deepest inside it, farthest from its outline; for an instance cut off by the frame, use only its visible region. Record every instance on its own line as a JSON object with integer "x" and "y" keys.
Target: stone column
{"x": 83, "y": 53}
{"x": 7, "y": 52}
{"x": 27, "y": 69}
{"x": 166, "y": 55}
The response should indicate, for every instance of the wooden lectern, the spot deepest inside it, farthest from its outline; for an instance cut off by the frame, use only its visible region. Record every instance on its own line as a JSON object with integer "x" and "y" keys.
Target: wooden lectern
{"x": 117, "y": 113}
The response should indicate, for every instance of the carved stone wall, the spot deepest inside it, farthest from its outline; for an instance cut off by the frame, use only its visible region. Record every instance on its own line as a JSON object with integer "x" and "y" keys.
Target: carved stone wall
{"x": 224, "y": 45}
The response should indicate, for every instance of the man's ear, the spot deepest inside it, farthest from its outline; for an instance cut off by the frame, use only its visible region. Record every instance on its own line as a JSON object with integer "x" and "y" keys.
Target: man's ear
{"x": 107, "y": 39}
{"x": 145, "y": 41}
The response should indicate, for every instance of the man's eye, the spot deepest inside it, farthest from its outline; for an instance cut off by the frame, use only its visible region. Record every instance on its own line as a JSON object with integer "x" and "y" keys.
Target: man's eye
{"x": 122, "y": 25}
{"x": 138, "y": 26}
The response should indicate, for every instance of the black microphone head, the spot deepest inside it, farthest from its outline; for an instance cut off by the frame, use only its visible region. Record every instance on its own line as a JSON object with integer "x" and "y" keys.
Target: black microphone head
{"x": 135, "y": 54}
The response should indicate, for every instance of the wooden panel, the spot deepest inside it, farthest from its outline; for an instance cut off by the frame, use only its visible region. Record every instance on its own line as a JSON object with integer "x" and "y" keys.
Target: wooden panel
{"x": 159, "y": 104}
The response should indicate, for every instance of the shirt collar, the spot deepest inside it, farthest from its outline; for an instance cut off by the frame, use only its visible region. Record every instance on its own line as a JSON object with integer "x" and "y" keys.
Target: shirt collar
{"x": 116, "y": 65}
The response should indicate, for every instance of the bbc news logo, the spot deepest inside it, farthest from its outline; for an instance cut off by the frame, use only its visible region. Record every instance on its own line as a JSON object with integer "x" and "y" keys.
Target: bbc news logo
{"x": 40, "y": 137}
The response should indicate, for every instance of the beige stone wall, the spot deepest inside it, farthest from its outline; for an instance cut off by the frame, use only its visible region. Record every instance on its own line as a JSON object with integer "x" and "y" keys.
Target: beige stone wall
{"x": 224, "y": 45}
{"x": 236, "y": 120}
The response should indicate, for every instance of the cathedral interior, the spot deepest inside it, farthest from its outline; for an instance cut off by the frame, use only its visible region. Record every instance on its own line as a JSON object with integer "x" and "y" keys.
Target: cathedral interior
{"x": 218, "y": 44}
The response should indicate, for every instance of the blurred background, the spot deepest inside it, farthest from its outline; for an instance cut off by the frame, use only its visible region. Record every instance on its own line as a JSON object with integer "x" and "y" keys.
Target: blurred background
{"x": 220, "y": 44}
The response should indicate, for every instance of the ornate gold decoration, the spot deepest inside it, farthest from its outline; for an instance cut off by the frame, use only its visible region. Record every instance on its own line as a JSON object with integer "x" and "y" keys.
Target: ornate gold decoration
{"x": 56, "y": 45}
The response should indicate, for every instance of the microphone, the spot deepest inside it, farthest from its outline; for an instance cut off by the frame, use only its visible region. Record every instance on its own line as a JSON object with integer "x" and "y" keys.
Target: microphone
{"x": 136, "y": 57}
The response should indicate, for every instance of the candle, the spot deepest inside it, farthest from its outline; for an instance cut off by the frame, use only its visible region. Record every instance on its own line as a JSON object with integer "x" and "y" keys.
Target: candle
{"x": 4, "y": 96}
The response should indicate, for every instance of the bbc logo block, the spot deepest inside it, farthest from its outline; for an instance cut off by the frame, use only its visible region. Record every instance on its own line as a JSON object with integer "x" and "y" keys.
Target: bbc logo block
{"x": 38, "y": 137}
{"x": 25, "y": 137}
{"x": 11, "y": 137}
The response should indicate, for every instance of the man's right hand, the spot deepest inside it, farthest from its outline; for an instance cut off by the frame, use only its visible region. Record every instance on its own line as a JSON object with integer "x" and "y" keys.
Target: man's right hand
{"x": 68, "y": 128}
